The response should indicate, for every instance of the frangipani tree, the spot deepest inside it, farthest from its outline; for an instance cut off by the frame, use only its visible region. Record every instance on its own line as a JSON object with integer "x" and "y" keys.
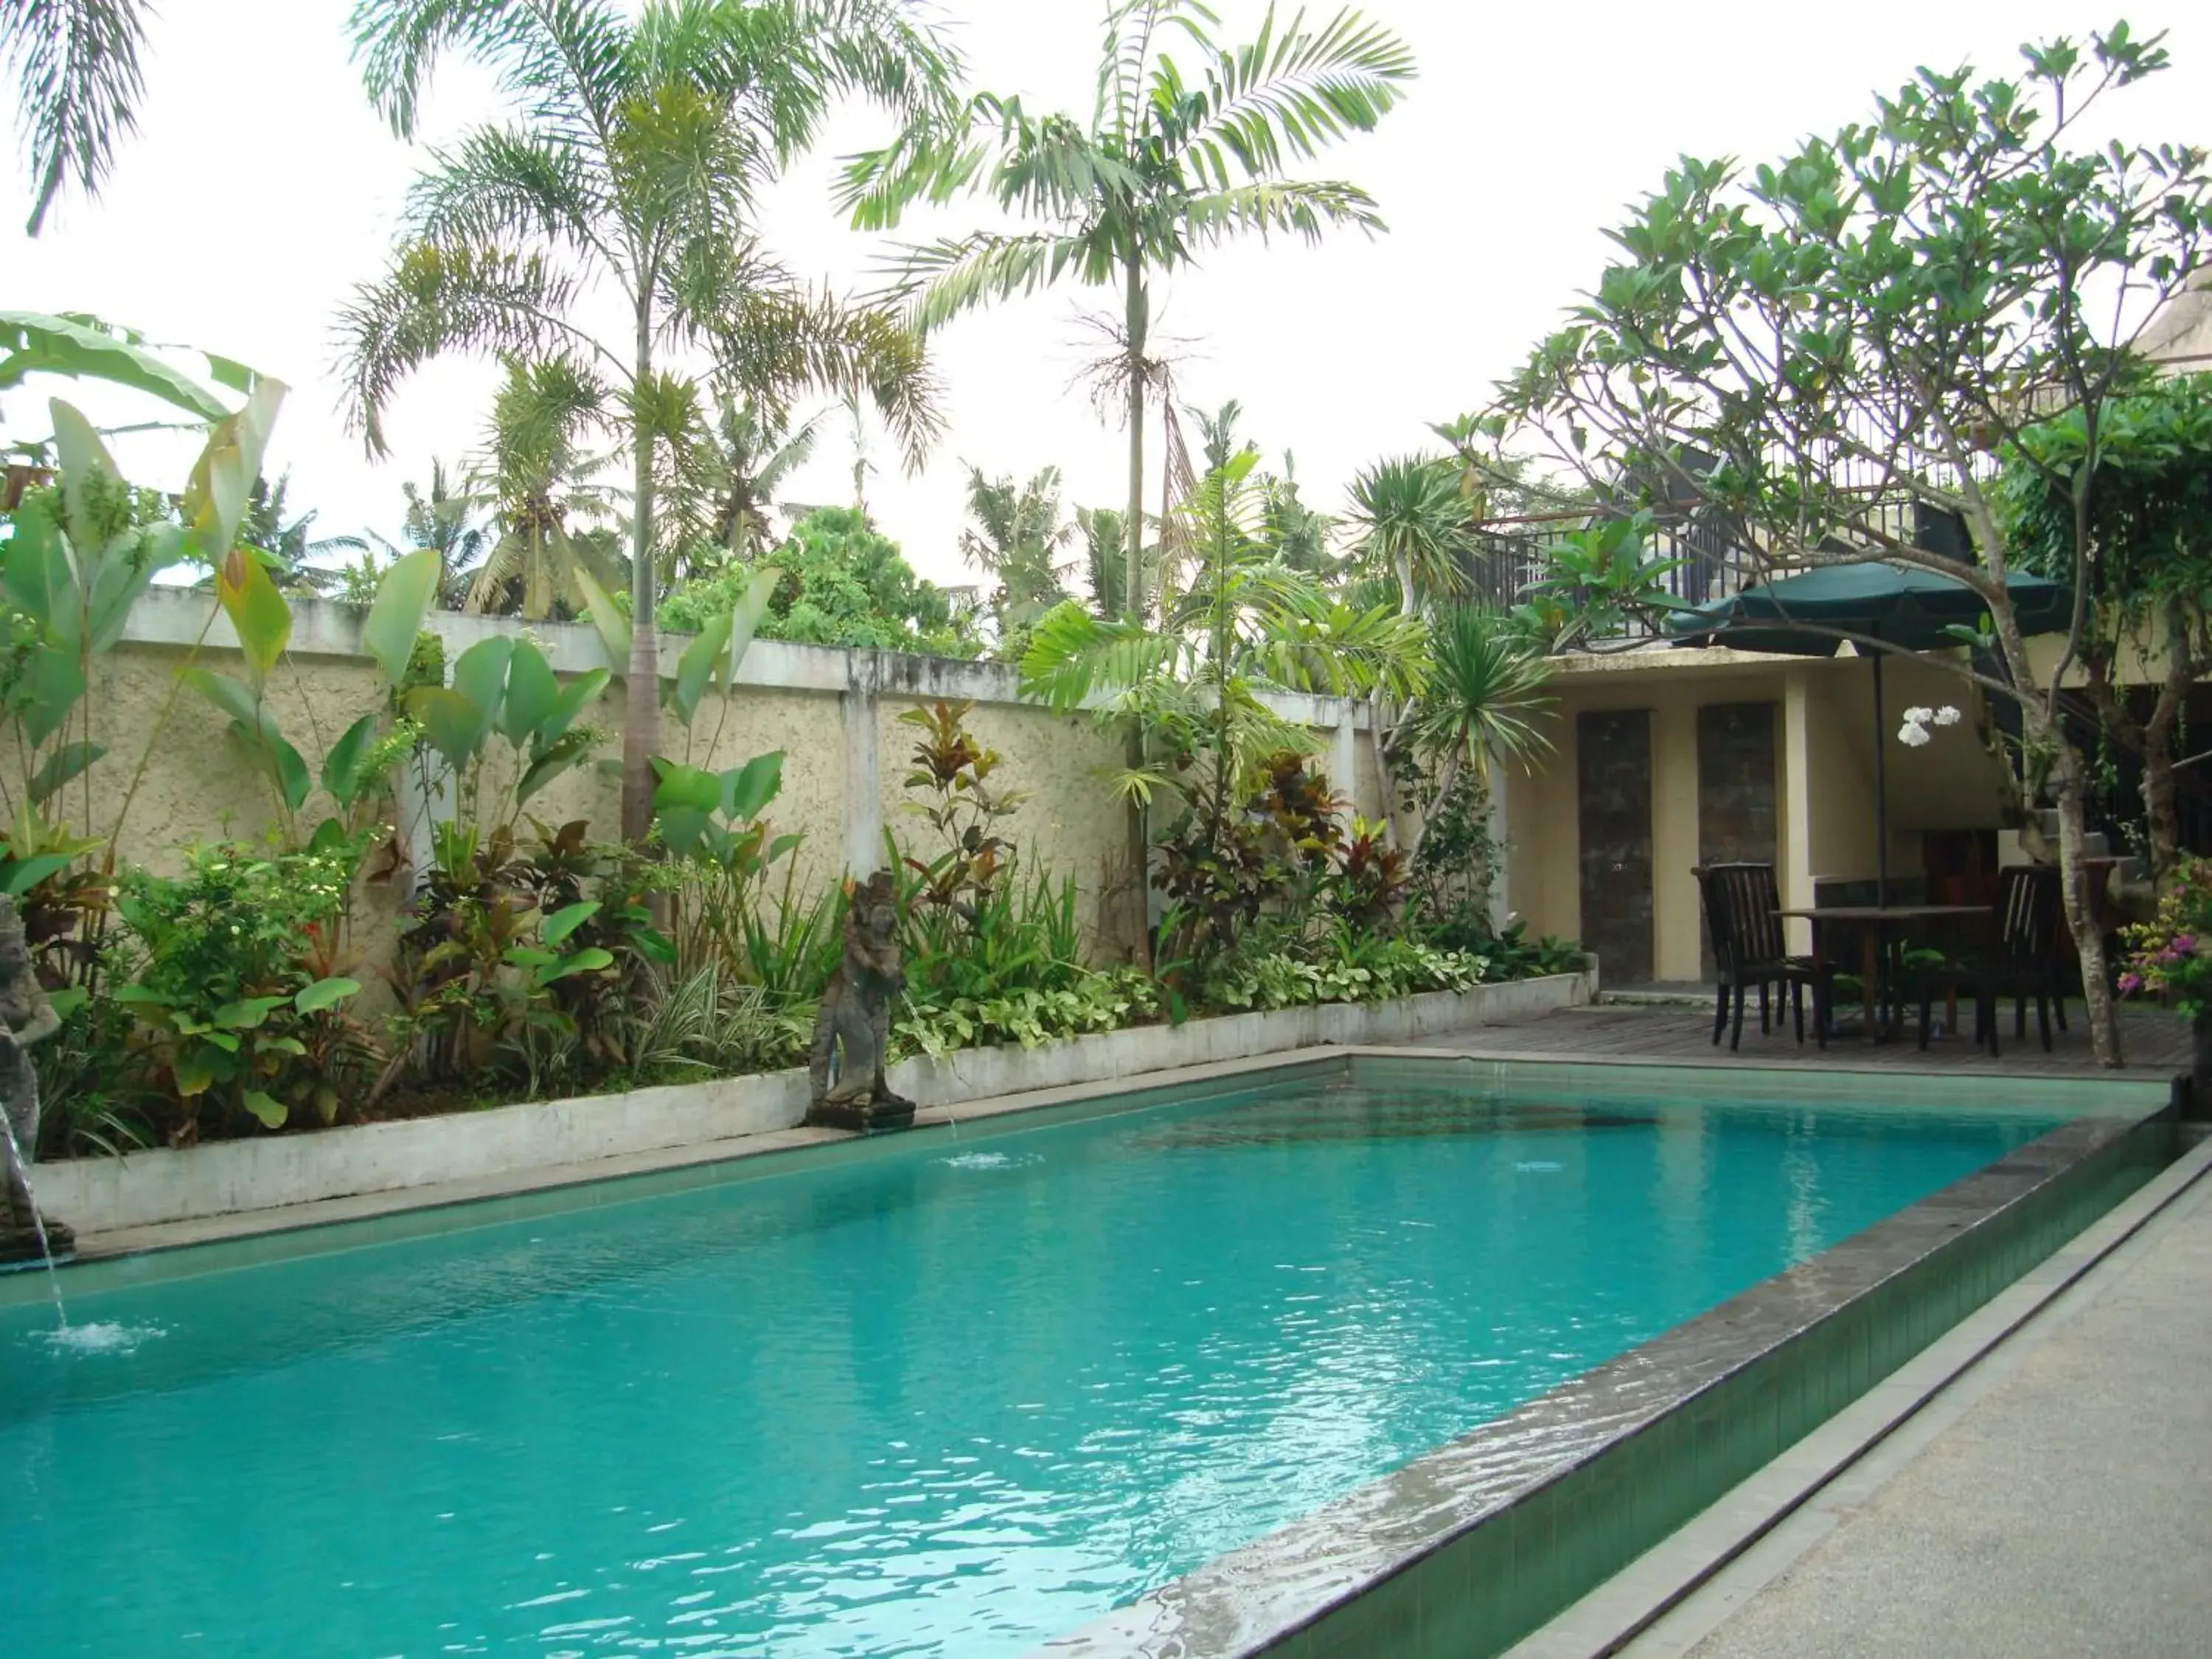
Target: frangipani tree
{"x": 1860, "y": 326}
{"x": 639, "y": 141}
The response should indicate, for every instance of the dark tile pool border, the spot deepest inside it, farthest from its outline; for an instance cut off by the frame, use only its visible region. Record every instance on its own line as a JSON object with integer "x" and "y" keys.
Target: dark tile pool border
{"x": 1462, "y": 1552}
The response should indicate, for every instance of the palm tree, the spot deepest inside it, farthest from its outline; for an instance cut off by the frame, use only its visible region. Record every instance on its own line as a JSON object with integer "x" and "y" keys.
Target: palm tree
{"x": 1166, "y": 169}
{"x": 641, "y": 143}
{"x": 535, "y": 473}
{"x": 731, "y": 472}
{"x": 1483, "y": 697}
{"x": 1104, "y": 547}
{"x": 1017, "y": 536}
{"x": 1298, "y": 533}
{"x": 1412, "y": 523}
{"x": 77, "y": 87}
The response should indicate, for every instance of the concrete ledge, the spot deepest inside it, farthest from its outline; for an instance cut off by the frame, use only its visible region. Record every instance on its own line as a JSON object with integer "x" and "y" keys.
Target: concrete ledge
{"x": 107, "y": 1196}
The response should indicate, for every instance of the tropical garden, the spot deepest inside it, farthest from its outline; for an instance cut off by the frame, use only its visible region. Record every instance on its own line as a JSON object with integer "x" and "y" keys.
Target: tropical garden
{"x": 330, "y": 968}
{"x": 1901, "y": 311}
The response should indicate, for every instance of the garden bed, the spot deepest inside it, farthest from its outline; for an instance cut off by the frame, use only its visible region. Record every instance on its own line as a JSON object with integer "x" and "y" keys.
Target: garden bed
{"x": 98, "y": 1195}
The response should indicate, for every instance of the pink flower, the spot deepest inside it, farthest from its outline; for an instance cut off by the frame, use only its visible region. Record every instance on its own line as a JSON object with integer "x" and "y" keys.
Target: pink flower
{"x": 2130, "y": 984}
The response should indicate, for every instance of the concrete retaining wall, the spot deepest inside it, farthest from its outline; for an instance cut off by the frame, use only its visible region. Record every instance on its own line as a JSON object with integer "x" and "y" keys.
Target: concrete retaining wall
{"x": 97, "y": 1195}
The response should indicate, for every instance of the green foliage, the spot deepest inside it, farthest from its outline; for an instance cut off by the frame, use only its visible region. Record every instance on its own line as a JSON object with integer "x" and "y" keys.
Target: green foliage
{"x": 240, "y": 1018}
{"x": 838, "y": 582}
{"x": 519, "y": 960}
{"x": 1017, "y": 536}
{"x": 92, "y": 1102}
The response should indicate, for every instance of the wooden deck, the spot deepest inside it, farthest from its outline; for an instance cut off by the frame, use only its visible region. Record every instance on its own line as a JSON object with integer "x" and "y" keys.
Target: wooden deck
{"x": 2155, "y": 1044}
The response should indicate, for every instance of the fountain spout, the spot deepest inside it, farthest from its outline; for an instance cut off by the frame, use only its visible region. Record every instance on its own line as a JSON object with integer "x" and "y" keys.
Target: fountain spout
{"x": 26, "y": 1017}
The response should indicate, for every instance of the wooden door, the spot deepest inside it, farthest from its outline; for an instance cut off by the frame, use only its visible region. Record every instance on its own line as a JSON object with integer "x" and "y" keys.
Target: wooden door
{"x": 1612, "y": 767}
{"x": 1736, "y": 798}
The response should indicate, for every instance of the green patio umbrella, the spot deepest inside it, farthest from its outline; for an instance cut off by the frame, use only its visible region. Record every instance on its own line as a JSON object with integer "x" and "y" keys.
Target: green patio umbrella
{"x": 1905, "y": 609}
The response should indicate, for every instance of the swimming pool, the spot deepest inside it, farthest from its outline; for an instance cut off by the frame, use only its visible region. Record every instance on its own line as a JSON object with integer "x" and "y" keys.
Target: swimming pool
{"x": 937, "y": 1398}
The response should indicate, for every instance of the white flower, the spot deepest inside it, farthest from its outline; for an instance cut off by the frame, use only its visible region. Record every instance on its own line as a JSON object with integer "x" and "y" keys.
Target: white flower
{"x": 1918, "y": 716}
{"x": 1911, "y": 736}
{"x": 1946, "y": 715}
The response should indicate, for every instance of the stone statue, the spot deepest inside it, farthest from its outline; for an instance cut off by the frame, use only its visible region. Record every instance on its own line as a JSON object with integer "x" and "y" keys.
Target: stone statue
{"x": 26, "y": 1017}
{"x": 854, "y": 1020}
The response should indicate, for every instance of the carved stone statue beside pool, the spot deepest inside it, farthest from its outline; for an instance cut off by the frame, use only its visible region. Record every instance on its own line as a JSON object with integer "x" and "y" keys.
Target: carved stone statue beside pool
{"x": 26, "y": 1017}
{"x": 853, "y": 1027}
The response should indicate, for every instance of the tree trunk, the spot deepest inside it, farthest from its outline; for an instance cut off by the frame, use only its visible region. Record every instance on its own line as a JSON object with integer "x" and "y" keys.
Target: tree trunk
{"x": 1137, "y": 318}
{"x": 2161, "y": 818}
{"x": 642, "y": 695}
{"x": 2080, "y": 914}
{"x": 1404, "y": 565}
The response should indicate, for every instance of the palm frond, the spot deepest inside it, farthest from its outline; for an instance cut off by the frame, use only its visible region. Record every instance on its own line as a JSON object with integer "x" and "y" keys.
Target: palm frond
{"x": 435, "y": 299}
{"x": 1303, "y": 208}
{"x": 1073, "y": 654}
{"x": 562, "y": 61}
{"x": 1286, "y": 95}
{"x": 77, "y": 88}
{"x": 940, "y": 280}
{"x": 504, "y": 186}
{"x": 1485, "y": 691}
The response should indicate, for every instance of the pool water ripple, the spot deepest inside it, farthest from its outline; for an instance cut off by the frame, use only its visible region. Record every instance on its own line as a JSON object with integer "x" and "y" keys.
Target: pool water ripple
{"x": 924, "y": 1403}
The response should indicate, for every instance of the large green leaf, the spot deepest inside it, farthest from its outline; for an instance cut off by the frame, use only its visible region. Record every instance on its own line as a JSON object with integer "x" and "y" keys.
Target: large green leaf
{"x": 342, "y": 778}
{"x": 575, "y": 696}
{"x": 325, "y": 994}
{"x": 696, "y": 667}
{"x": 36, "y": 566}
{"x": 78, "y": 448}
{"x": 746, "y": 620}
{"x": 267, "y": 1109}
{"x": 65, "y": 763}
{"x": 33, "y": 343}
{"x": 286, "y": 766}
{"x": 247, "y": 1013}
{"x": 52, "y": 682}
{"x": 117, "y": 580}
{"x": 613, "y": 627}
{"x": 27, "y": 873}
{"x": 452, "y": 724}
{"x": 533, "y": 694}
{"x": 745, "y": 790}
{"x": 256, "y": 611}
{"x": 221, "y": 487}
{"x": 681, "y": 785}
{"x": 404, "y": 594}
{"x": 566, "y": 921}
{"x": 480, "y": 675}
{"x": 236, "y": 700}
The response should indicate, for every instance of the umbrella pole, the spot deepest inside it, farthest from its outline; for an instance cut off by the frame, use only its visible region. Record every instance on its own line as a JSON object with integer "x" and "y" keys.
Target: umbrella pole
{"x": 1881, "y": 792}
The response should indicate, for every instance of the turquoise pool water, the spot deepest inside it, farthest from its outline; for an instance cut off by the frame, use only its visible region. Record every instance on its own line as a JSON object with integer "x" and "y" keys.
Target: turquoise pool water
{"x": 936, "y": 1399}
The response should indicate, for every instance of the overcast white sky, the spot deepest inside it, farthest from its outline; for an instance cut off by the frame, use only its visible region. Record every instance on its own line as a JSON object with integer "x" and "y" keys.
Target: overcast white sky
{"x": 261, "y": 188}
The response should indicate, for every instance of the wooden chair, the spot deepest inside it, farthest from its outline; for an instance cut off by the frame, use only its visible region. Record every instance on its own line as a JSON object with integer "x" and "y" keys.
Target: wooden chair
{"x": 1740, "y": 902}
{"x": 2028, "y": 954}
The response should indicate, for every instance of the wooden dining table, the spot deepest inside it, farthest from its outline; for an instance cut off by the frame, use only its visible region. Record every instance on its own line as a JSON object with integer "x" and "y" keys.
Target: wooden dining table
{"x": 1879, "y": 927}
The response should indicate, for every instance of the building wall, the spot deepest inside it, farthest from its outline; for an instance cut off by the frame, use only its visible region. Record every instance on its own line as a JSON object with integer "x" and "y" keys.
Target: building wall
{"x": 1825, "y": 780}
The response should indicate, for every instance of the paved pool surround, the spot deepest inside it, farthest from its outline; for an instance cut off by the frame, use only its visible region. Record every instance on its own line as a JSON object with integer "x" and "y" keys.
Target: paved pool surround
{"x": 1465, "y": 1550}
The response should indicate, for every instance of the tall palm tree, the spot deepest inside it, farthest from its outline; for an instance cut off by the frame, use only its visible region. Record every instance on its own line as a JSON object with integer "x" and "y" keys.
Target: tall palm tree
{"x": 1166, "y": 169}
{"x": 535, "y": 472}
{"x": 77, "y": 87}
{"x": 1411, "y": 521}
{"x": 639, "y": 146}
{"x": 1017, "y": 535}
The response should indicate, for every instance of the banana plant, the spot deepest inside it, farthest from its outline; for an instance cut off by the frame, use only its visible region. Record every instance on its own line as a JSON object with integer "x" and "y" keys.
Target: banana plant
{"x": 355, "y": 768}
{"x": 505, "y": 688}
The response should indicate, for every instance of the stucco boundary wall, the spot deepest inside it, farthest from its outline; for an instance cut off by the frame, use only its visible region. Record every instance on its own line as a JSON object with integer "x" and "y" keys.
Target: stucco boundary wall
{"x": 103, "y": 1196}
{"x": 833, "y": 711}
